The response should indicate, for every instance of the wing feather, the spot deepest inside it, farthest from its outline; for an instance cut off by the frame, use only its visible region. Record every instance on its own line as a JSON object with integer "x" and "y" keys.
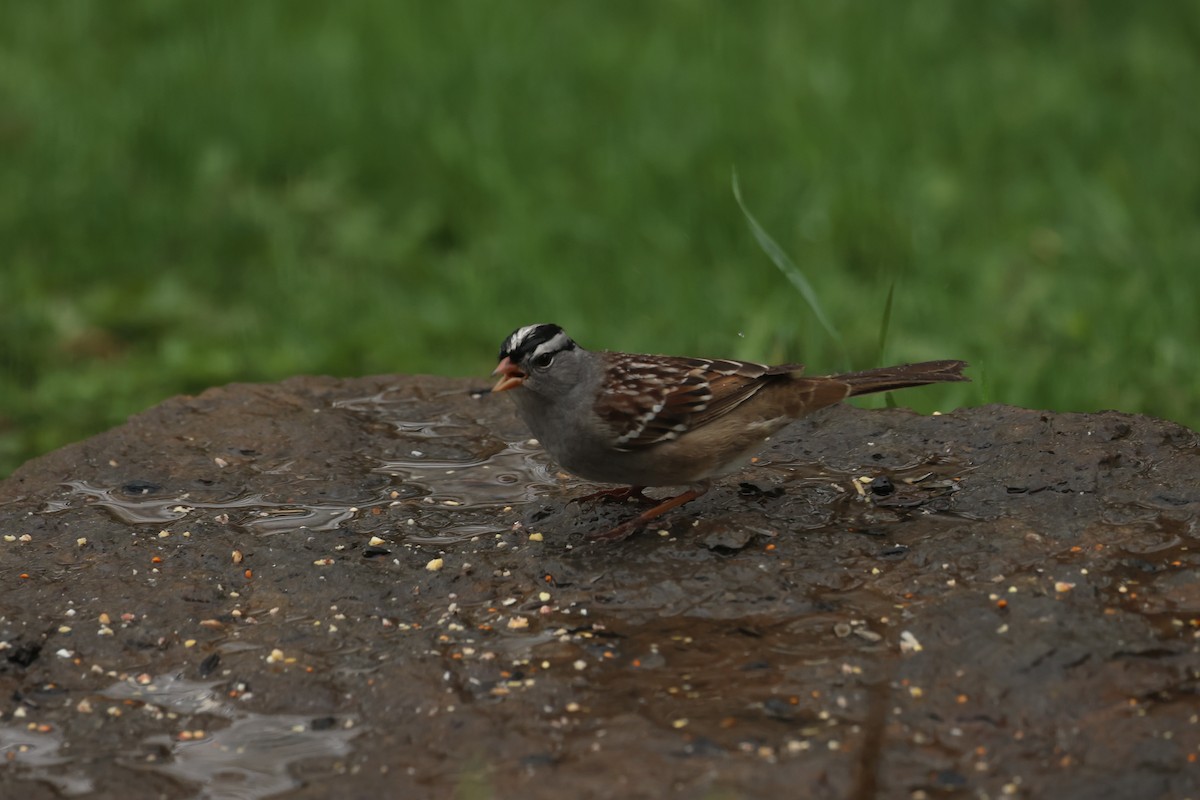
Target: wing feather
{"x": 656, "y": 399}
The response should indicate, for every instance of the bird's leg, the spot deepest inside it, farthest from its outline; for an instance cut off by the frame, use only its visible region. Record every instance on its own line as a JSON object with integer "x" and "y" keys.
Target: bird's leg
{"x": 626, "y": 529}
{"x": 620, "y": 493}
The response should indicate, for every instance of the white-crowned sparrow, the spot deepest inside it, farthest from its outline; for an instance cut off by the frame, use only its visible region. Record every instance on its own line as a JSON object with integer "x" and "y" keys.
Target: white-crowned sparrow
{"x": 648, "y": 420}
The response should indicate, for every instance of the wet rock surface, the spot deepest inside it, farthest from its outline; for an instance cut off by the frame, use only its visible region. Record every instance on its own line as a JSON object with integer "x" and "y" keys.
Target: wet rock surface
{"x": 378, "y": 588}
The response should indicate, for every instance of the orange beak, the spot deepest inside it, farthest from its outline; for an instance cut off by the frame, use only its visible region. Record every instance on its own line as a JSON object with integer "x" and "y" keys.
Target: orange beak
{"x": 511, "y": 376}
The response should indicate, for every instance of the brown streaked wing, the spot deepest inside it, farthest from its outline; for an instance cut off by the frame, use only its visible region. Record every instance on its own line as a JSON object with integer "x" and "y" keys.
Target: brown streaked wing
{"x": 665, "y": 396}
{"x": 733, "y": 383}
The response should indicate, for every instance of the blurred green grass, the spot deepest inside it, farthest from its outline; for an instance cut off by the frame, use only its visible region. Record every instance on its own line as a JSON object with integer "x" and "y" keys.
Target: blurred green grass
{"x": 193, "y": 194}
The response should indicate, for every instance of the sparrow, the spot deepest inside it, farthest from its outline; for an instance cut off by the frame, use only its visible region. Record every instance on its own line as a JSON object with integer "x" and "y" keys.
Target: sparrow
{"x": 650, "y": 420}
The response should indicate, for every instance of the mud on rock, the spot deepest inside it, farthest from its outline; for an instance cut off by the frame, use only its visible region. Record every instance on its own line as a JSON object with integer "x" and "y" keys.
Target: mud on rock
{"x": 379, "y": 587}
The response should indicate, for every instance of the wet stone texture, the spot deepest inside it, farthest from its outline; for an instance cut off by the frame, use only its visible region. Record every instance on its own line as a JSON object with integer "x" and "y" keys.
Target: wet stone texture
{"x": 379, "y": 588}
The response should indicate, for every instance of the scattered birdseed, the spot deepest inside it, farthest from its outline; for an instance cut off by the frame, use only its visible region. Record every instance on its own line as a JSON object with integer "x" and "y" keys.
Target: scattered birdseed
{"x": 323, "y": 562}
{"x": 25, "y": 537}
{"x": 375, "y": 541}
{"x": 535, "y": 537}
{"x": 1063, "y": 586}
{"x": 237, "y": 556}
{"x": 909, "y": 643}
{"x": 81, "y": 541}
{"x": 435, "y": 564}
{"x": 518, "y": 623}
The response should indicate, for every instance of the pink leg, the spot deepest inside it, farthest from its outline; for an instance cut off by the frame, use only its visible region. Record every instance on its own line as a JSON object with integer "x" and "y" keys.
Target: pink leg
{"x": 626, "y": 529}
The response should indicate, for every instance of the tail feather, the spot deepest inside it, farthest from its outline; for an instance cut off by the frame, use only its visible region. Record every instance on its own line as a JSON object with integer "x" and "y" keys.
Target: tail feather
{"x": 885, "y": 379}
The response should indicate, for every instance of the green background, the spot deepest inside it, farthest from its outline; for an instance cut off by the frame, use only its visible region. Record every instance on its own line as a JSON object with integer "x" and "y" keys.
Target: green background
{"x": 197, "y": 193}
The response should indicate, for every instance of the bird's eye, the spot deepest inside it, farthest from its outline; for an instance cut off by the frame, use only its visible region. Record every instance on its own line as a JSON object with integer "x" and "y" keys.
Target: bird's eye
{"x": 541, "y": 361}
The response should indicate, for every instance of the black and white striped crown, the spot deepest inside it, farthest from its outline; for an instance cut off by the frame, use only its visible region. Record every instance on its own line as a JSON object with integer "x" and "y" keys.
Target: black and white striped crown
{"x": 534, "y": 340}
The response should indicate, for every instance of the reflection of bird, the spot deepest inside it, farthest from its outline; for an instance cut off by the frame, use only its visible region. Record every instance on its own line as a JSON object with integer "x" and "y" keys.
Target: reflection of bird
{"x": 645, "y": 420}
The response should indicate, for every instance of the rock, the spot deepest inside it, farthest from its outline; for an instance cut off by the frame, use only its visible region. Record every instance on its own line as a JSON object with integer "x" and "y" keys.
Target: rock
{"x": 1045, "y": 563}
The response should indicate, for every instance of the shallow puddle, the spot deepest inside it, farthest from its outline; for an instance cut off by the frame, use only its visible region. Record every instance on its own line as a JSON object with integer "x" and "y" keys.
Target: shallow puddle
{"x": 36, "y": 756}
{"x": 517, "y": 474}
{"x": 225, "y": 751}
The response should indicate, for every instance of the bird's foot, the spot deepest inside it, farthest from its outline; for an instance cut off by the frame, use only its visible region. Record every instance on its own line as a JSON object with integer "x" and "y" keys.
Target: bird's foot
{"x": 627, "y": 529}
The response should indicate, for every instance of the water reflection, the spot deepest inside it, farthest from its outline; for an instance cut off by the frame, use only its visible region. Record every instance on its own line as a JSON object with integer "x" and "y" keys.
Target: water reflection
{"x": 249, "y": 758}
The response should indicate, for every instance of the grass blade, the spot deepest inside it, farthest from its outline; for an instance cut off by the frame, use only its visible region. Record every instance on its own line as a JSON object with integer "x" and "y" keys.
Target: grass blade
{"x": 884, "y": 324}
{"x": 786, "y": 266}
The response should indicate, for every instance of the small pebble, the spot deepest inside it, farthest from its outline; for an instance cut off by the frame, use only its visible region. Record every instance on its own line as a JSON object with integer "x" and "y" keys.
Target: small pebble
{"x": 909, "y": 643}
